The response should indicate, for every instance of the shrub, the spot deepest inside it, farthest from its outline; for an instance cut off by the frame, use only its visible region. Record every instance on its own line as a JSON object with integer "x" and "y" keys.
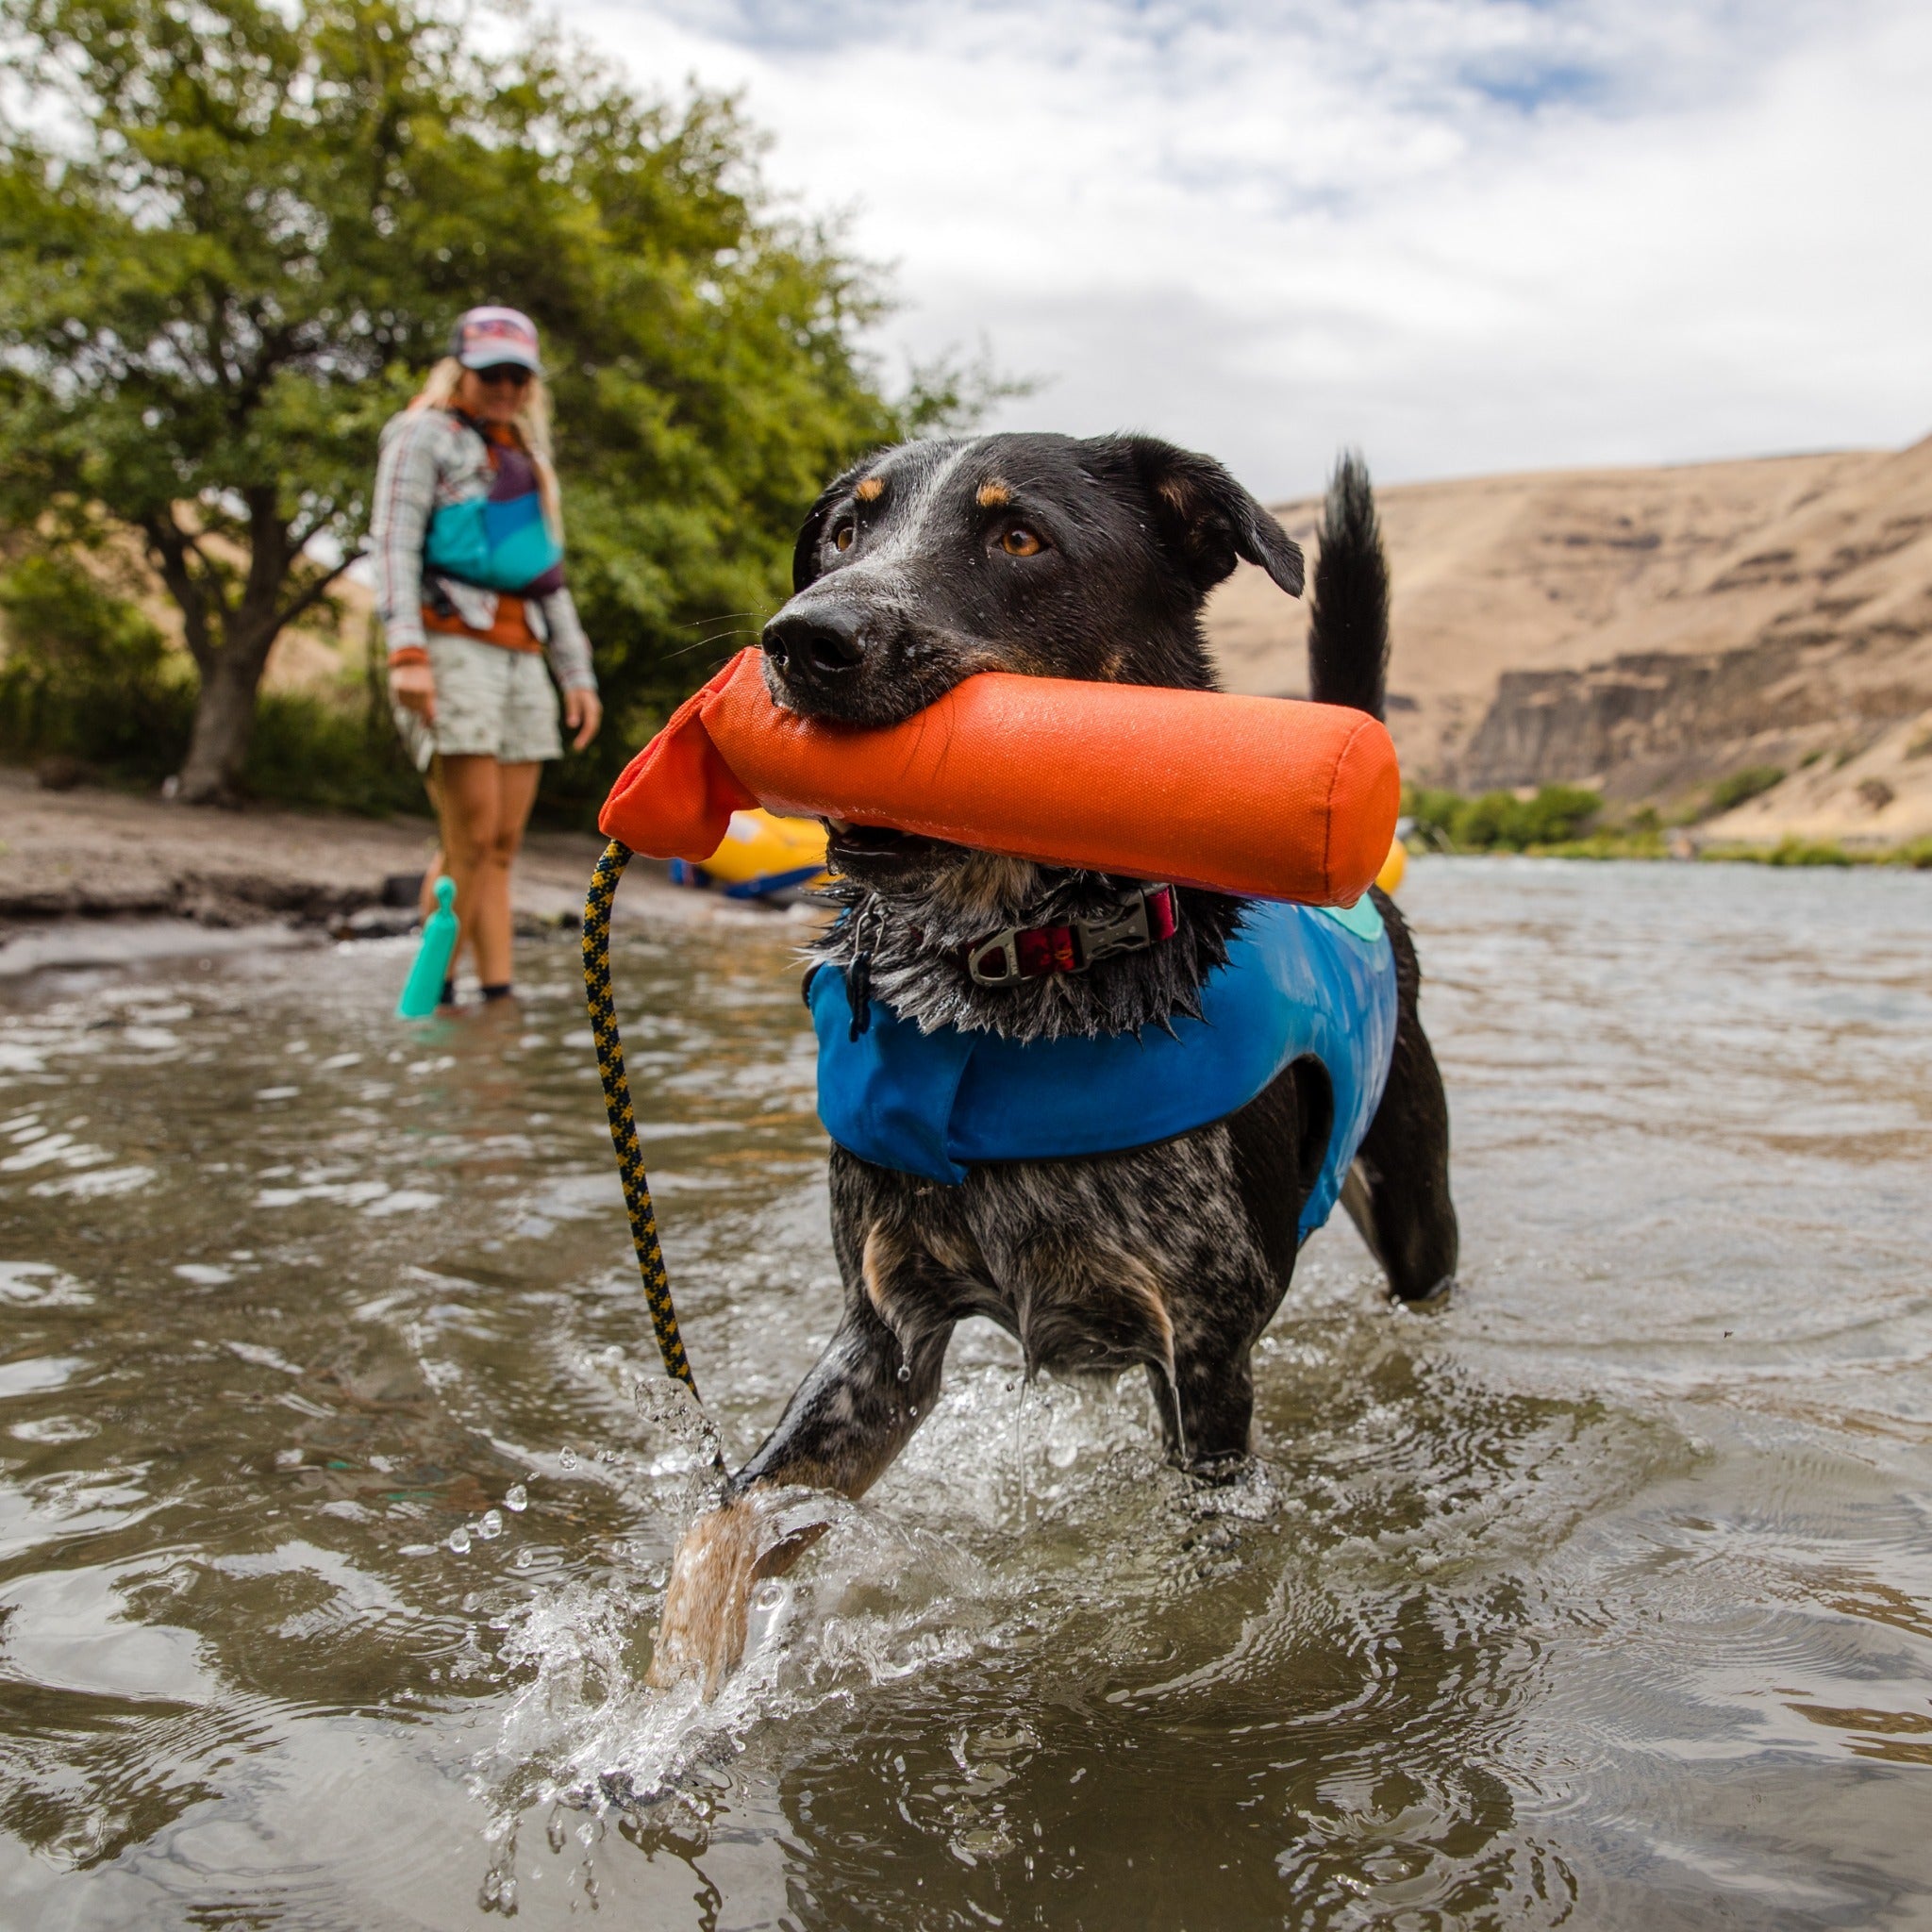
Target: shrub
{"x": 1796, "y": 851}
{"x": 1738, "y": 788}
{"x": 1499, "y": 821}
{"x": 87, "y": 674}
{"x": 1627, "y": 844}
{"x": 1558, "y": 812}
{"x": 331, "y": 752}
{"x": 1484, "y": 824}
{"x": 1433, "y": 815}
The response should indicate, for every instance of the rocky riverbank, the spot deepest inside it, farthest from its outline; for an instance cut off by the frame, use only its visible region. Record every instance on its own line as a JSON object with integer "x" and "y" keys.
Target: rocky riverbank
{"x": 94, "y": 858}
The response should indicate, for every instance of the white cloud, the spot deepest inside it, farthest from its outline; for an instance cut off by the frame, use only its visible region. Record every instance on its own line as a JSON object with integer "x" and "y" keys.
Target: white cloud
{"x": 1466, "y": 234}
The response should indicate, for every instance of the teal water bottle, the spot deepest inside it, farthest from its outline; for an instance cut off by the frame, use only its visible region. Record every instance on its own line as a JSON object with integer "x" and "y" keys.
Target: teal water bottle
{"x": 423, "y": 993}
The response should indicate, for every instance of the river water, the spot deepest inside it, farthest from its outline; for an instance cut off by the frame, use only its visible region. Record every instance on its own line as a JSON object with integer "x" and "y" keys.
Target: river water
{"x": 1603, "y": 1598}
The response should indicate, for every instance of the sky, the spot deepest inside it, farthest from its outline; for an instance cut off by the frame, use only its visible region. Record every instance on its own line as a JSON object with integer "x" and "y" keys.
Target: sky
{"x": 1465, "y": 235}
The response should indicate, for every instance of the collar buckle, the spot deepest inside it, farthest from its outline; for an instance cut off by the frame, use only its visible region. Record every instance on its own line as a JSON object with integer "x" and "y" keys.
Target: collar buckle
{"x": 995, "y": 961}
{"x": 1031, "y": 952}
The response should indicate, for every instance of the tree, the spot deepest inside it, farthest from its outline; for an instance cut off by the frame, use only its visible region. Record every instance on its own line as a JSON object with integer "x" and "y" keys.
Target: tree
{"x": 233, "y": 234}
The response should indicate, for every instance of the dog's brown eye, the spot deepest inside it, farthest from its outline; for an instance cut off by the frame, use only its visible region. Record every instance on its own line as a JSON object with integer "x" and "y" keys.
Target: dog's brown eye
{"x": 1021, "y": 542}
{"x": 841, "y": 537}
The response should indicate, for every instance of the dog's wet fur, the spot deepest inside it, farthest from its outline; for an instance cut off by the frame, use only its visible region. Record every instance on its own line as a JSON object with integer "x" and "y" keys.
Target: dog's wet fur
{"x": 1058, "y": 557}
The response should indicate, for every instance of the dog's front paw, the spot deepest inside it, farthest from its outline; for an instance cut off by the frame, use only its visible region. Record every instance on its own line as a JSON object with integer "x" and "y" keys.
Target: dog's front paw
{"x": 1432, "y": 1300}
{"x": 708, "y": 1603}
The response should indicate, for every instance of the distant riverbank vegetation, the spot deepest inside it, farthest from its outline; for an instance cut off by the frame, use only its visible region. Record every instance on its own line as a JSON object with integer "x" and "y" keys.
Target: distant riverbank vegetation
{"x": 232, "y": 241}
{"x": 1568, "y": 822}
{"x": 1500, "y": 821}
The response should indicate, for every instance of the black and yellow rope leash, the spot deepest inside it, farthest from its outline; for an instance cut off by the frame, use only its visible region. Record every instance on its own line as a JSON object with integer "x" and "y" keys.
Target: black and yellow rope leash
{"x": 623, "y": 1126}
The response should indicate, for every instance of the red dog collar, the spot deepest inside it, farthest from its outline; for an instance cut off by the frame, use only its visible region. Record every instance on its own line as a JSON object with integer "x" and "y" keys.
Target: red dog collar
{"x": 1031, "y": 952}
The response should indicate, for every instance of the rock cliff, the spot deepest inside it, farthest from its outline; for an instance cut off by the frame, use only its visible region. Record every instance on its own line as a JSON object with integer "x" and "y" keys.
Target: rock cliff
{"x": 1648, "y": 631}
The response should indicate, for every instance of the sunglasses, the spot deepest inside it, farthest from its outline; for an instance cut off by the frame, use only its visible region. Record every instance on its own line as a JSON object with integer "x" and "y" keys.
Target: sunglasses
{"x": 511, "y": 373}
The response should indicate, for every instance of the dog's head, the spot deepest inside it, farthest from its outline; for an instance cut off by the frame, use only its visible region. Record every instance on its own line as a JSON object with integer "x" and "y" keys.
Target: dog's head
{"x": 1045, "y": 554}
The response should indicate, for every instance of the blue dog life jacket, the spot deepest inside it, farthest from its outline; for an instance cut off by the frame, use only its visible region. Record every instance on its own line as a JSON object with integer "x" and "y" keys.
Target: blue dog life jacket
{"x": 1300, "y": 981}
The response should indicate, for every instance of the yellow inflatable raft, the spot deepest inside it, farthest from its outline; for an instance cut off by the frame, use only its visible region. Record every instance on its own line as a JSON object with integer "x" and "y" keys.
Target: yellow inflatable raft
{"x": 762, "y": 855}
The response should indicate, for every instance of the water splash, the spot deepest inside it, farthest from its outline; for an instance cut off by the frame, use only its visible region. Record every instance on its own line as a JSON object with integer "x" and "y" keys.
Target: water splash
{"x": 582, "y": 1731}
{"x": 666, "y": 1404}
{"x": 1020, "y": 1448}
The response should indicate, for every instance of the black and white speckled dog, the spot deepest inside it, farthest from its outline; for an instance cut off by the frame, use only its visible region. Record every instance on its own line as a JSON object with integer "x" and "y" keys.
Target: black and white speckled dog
{"x": 1086, "y": 560}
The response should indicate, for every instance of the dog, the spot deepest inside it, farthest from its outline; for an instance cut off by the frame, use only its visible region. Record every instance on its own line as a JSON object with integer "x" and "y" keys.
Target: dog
{"x": 1071, "y": 558}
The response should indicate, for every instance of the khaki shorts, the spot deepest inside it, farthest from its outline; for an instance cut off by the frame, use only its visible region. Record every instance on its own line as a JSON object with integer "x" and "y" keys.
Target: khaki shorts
{"x": 489, "y": 702}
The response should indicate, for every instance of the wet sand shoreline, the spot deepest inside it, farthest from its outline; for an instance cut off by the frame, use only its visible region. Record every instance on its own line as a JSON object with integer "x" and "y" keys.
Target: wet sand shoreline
{"x": 91, "y": 875}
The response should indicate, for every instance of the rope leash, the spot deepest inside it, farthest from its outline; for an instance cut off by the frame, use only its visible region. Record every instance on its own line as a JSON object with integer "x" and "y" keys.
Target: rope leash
{"x": 623, "y": 1126}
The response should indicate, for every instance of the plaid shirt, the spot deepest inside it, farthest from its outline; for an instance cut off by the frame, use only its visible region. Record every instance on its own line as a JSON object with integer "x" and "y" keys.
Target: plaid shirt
{"x": 430, "y": 458}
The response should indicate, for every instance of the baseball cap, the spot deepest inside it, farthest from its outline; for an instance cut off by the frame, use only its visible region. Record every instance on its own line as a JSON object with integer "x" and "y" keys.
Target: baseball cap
{"x": 488, "y": 338}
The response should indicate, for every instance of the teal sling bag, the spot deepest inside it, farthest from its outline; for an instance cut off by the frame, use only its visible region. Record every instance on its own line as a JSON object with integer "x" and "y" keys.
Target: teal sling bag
{"x": 496, "y": 545}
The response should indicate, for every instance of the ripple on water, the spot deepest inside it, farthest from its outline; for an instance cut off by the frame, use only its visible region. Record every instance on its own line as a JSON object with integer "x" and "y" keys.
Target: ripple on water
{"x": 1606, "y": 1593}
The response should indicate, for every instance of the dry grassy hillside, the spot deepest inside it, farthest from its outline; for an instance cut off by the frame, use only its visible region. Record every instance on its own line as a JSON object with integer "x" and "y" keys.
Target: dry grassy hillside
{"x": 1650, "y": 631}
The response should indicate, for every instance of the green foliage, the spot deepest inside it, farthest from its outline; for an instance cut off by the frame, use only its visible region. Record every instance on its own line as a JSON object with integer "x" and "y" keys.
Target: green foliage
{"x": 1496, "y": 820}
{"x": 86, "y": 673}
{"x": 1556, "y": 825}
{"x": 1739, "y": 787}
{"x": 1626, "y": 844}
{"x": 242, "y": 232}
{"x": 1558, "y": 812}
{"x": 65, "y": 620}
{"x": 1796, "y": 851}
{"x": 1793, "y": 850}
{"x": 330, "y": 751}
{"x": 1432, "y": 814}
{"x": 1915, "y": 854}
{"x": 1499, "y": 821}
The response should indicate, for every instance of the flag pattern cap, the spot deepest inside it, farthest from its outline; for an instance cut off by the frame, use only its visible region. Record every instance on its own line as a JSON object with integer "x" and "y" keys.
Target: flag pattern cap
{"x": 488, "y": 338}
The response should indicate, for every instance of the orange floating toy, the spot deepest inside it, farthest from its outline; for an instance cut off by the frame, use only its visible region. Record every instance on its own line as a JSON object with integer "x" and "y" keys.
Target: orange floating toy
{"x": 1268, "y": 797}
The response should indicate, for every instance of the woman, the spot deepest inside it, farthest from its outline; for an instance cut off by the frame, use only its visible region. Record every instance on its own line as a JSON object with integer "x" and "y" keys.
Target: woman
{"x": 468, "y": 565}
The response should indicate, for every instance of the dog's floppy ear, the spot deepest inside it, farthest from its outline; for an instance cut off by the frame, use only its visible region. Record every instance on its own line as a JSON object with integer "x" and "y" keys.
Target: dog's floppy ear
{"x": 1209, "y": 520}
{"x": 805, "y": 553}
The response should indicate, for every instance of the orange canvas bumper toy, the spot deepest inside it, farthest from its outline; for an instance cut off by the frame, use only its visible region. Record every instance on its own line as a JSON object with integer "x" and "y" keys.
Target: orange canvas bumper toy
{"x": 1265, "y": 797}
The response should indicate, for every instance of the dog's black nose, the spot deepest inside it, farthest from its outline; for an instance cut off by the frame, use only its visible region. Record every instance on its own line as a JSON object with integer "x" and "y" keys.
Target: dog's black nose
{"x": 815, "y": 643}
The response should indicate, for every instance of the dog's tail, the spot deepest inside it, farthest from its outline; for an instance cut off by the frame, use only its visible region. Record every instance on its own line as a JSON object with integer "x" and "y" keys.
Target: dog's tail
{"x": 1348, "y": 626}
